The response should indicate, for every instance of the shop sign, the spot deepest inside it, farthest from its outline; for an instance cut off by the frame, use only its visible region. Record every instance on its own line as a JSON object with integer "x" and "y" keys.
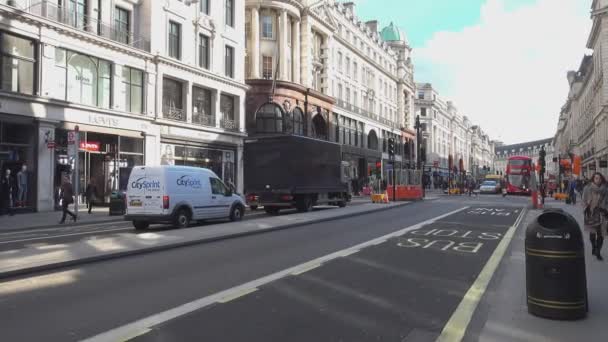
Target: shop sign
{"x": 103, "y": 120}
{"x": 91, "y": 146}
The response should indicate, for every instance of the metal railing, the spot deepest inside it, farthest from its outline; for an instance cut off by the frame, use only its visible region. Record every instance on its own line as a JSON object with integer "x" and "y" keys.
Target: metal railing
{"x": 229, "y": 124}
{"x": 62, "y": 14}
{"x": 205, "y": 120}
{"x": 173, "y": 113}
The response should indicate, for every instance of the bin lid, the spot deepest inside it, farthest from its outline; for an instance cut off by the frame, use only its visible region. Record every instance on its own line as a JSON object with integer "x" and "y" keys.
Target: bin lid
{"x": 554, "y": 229}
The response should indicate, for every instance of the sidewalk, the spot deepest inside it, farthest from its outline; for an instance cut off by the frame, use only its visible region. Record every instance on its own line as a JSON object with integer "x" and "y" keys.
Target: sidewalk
{"x": 51, "y": 219}
{"x": 39, "y": 258}
{"x": 503, "y": 314}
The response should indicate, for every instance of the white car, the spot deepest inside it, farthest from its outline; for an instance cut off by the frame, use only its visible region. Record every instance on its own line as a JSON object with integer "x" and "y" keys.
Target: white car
{"x": 178, "y": 195}
{"x": 489, "y": 187}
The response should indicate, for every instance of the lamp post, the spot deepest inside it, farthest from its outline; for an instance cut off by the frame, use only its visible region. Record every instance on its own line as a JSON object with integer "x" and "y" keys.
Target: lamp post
{"x": 418, "y": 142}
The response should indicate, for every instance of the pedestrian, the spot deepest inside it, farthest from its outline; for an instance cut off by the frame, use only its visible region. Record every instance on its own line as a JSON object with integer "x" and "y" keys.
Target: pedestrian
{"x": 7, "y": 185}
{"x": 90, "y": 194}
{"x": 594, "y": 198}
{"x": 67, "y": 198}
{"x": 572, "y": 192}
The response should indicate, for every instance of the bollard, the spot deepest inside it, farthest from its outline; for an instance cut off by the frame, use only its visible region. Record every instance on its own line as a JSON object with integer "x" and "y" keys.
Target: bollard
{"x": 556, "y": 282}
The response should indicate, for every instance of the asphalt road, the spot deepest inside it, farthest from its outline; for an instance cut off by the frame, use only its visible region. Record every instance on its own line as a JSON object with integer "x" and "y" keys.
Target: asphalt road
{"x": 76, "y": 303}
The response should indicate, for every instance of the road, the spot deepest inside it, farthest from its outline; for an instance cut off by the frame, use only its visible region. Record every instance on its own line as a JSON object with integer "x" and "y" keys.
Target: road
{"x": 402, "y": 287}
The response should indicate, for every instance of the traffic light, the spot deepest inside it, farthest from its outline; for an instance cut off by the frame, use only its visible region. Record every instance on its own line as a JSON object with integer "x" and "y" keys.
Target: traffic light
{"x": 391, "y": 146}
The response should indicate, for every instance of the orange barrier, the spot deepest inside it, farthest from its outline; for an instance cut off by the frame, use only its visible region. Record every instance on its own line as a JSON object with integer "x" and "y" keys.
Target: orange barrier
{"x": 379, "y": 198}
{"x": 405, "y": 192}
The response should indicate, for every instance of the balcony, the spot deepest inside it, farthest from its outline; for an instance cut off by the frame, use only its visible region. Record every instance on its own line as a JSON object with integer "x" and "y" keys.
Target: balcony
{"x": 52, "y": 11}
{"x": 229, "y": 124}
{"x": 363, "y": 112}
{"x": 204, "y": 120}
{"x": 172, "y": 113}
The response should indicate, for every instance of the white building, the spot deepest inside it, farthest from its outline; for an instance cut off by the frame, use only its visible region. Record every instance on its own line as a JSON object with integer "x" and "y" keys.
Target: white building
{"x": 146, "y": 82}
{"x": 338, "y": 79}
{"x": 448, "y": 133}
{"x": 527, "y": 149}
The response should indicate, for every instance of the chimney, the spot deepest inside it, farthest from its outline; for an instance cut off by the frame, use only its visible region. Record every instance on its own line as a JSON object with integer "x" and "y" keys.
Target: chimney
{"x": 571, "y": 76}
{"x": 373, "y": 25}
{"x": 350, "y": 6}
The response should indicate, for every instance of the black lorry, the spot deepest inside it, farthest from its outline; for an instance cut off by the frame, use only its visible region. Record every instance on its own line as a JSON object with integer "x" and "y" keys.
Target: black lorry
{"x": 290, "y": 171}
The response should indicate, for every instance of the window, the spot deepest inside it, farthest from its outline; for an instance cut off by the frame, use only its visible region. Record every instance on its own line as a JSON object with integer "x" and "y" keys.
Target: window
{"x": 423, "y": 111}
{"x": 202, "y": 113}
{"x": 75, "y": 12}
{"x": 269, "y": 119}
{"x": 133, "y": 82}
{"x": 203, "y": 51}
{"x": 347, "y": 95}
{"x": 267, "y": 67}
{"x": 83, "y": 79}
{"x": 355, "y": 98}
{"x": 355, "y": 70}
{"x": 228, "y": 120}
{"x": 175, "y": 40}
{"x": 340, "y": 95}
{"x": 230, "y": 13}
{"x": 122, "y": 25}
{"x": 17, "y": 70}
{"x": 267, "y": 27}
{"x": 348, "y": 66}
{"x": 229, "y": 61}
{"x": 173, "y": 100}
{"x": 298, "y": 121}
{"x": 340, "y": 61}
{"x": 421, "y": 95}
{"x": 204, "y": 6}
{"x": 217, "y": 187}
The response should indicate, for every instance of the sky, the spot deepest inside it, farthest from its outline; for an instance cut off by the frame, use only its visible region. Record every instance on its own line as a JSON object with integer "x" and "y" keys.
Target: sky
{"x": 502, "y": 62}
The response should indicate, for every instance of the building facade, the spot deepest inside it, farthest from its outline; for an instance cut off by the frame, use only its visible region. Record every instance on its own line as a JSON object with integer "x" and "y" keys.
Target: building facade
{"x": 527, "y": 149}
{"x": 315, "y": 69}
{"x": 582, "y": 128}
{"x": 446, "y": 132}
{"x": 145, "y": 82}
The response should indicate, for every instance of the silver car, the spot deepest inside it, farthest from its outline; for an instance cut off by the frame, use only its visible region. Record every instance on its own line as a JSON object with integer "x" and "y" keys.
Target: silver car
{"x": 489, "y": 187}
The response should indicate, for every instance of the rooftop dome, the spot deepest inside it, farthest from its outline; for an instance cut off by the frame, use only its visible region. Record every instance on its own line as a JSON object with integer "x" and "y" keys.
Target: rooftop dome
{"x": 392, "y": 33}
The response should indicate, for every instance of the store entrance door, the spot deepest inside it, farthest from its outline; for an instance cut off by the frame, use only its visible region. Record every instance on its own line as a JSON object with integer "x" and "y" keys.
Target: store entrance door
{"x": 101, "y": 170}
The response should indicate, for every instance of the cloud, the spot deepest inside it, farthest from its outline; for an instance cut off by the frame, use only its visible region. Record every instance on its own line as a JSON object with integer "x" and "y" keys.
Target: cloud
{"x": 508, "y": 72}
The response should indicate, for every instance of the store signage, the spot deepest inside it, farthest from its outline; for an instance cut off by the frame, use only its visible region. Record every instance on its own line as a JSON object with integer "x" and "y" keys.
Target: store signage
{"x": 102, "y": 120}
{"x": 91, "y": 146}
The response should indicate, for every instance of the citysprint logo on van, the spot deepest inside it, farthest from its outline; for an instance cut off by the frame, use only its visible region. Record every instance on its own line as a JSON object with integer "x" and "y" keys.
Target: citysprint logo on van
{"x": 188, "y": 181}
{"x": 143, "y": 183}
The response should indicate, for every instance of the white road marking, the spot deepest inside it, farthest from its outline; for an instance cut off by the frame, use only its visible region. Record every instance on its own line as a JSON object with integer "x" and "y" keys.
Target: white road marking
{"x": 306, "y": 268}
{"x": 236, "y": 295}
{"x": 347, "y": 253}
{"x": 137, "y": 327}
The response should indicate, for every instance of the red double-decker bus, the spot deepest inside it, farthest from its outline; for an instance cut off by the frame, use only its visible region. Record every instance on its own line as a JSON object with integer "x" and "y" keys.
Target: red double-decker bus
{"x": 519, "y": 170}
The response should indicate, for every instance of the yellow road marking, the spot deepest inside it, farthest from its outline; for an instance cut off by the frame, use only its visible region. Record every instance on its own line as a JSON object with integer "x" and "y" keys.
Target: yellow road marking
{"x": 143, "y": 332}
{"x": 305, "y": 269}
{"x": 456, "y": 327}
{"x": 237, "y": 295}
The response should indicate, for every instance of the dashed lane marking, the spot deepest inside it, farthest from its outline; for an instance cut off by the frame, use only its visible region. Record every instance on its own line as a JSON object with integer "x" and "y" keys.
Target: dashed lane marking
{"x": 305, "y": 269}
{"x": 236, "y": 295}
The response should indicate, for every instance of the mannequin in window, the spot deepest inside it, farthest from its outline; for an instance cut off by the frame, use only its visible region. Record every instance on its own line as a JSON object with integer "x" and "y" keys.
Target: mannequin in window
{"x": 6, "y": 191}
{"x": 22, "y": 186}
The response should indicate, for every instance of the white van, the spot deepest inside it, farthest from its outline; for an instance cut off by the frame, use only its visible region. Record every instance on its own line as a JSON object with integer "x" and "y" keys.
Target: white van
{"x": 178, "y": 195}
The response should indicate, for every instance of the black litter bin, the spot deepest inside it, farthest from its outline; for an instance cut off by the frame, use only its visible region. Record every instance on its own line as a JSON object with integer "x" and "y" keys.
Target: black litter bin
{"x": 117, "y": 203}
{"x": 556, "y": 281}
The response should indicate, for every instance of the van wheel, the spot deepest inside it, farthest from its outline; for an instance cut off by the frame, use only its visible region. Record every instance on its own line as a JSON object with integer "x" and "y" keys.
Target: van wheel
{"x": 236, "y": 213}
{"x": 141, "y": 225}
{"x": 304, "y": 204}
{"x": 182, "y": 219}
{"x": 271, "y": 210}
{"x": 342, "y": 204}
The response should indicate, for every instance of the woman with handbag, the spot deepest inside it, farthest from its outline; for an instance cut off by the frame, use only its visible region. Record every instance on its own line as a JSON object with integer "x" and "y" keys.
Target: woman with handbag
{"x": 67, "y": 198}
{"x": 594, "y": 201}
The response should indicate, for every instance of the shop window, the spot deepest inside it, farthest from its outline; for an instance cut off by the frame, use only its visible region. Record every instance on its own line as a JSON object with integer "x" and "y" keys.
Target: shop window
{"x": 133, "y": 81}
{"x": 87, "y": 80}
{"x": 15, "y": 134}
{"x": 17, "y": 71}
{"x": 372, "y": 140}
{"x": 269, "y": 119}
{"x": 202, "y": 113}
{"x": 173, "y": 100}
{"x": 298, "y": 121}
{"x": 227, "y": 110}
{"x": 131, "y": 145}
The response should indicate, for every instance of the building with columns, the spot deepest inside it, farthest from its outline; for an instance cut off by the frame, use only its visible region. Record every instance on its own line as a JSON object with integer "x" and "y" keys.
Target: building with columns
{"x": 336, "y": 78}
{"x": 446, "y": 132}
{"x": 146, "y": 83}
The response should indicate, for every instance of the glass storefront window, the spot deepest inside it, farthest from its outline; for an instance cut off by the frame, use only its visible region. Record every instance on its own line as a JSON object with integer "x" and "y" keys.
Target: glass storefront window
{"x": 17, "y": 64}
{"x": 202, "y": 113}
{"x": 219, "y": 161}
{"x": 132, "y": 145}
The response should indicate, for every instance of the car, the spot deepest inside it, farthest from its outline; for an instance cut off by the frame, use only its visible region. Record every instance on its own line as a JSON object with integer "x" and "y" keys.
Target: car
{"x": 178, "y": 195}
{"x": 489, "y": 187}
{"x": 253, "y": 201}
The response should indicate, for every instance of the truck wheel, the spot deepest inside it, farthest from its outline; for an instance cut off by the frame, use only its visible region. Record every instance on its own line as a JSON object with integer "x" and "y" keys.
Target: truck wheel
{"x": 141, "y": 225}
{"x": 182, "y": 219}
{"x": 342, "y": 204}
{"x": 253, "y": 207}
{"x": 304, "y": 204}
{"x": 271, "y": 210}
{"x": 236, "y": 213}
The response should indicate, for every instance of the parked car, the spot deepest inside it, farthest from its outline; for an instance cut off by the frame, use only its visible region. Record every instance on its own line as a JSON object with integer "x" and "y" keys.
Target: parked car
{"x": 253, "y": 201}
{"x": 489, "y": 187}
{"x": 179, "y": 195}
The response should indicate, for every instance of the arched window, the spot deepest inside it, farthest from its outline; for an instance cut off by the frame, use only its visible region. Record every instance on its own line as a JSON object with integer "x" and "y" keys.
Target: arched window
{"x": 372, "y": 140}
{"x": 298, "y": 121}
{"x": 269, "y": 119}
{"x": 319, "y": 127}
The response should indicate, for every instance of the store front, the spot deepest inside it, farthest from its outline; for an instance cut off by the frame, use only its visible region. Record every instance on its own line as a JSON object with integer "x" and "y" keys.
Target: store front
{"x": 219, "y": 159}
{"x": 18, "y": 161}
{"x": 105, "y": 161}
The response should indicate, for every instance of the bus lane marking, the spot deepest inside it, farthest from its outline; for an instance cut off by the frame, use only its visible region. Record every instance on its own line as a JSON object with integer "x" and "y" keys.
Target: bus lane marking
{"x": 443, "y": 239}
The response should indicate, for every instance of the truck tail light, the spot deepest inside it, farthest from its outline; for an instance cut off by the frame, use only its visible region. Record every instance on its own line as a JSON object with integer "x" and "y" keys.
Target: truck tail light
{"x": 165, "y": 202}
{"x": 286, "y": 197}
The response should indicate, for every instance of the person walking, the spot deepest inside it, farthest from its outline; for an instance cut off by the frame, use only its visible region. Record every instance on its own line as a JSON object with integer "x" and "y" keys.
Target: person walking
{"x": 594, "y": 197}
{"x": 67, "y": 198}
{"x": 572, "y": 192}
{"x": 90, "y": 194}
{"x": 7, "y": 185}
